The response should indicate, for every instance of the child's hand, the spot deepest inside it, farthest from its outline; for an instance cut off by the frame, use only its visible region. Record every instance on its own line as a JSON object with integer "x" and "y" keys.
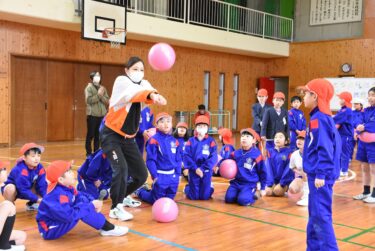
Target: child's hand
{"x": 146, "y": 135}
{"x": 360, "y": 128}
{"x": 154, "y": 182}
{"x": 263, "y": 193}
{"x": 98, "y": 204}
{"x": 216, "y": 169}
{"x": 39, "y": 200}
{"x": 186, "y": 172}
{"x": 319, "y": 183}
{"x": 199, "y": 172}
{"x": 97, "y": 183}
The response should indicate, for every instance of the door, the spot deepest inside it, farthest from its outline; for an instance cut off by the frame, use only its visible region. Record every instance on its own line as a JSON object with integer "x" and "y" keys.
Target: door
{"x": 268, "y": 84}
{"x": 29, "y": 94}
{"x": 60, "y": 116}
{"x": 235, "y": 101}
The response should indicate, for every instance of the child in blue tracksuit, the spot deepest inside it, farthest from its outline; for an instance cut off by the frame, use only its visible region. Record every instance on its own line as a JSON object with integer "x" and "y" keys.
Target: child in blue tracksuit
{"x": 297, "y": 121}
{"x": 95, "y": 175}
{"x": 164, "y": 157}
{"x": 182, "y": 135}
{"x": 279, "y": 175}
{"x": 357, "y": 118}
{"x": 63, "y": 207}
{"x": 200, "y": 157}
{"x": 250, "y": 171}
{"x": 321, "y": 163}
{"x": 225, "y": 137}
{"x": 344, "y": 123}
{"x": 366, "y": 149}
{"x": 145, "y": 123}
{"x": 28, "y": 174}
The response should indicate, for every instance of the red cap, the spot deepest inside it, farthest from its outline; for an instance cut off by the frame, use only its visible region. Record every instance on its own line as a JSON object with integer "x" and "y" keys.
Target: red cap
{"x": 4, "y": 164}
{"x": 29, "y": 146}
{"x": 202, "y": 120}
{"x": 161, "y": 115}
{"x": 262, "y": 92}
{"x": 324, "y": 89}
{"x": 347, "y": 97}
{"x": 182, "y": 124}
{"x": 252, "y": 132}
{"x": 55, "y": 170}
{"x": 301, "y": 134}
{"x": 226, "y": 134}
{"x": 279, "y": 95}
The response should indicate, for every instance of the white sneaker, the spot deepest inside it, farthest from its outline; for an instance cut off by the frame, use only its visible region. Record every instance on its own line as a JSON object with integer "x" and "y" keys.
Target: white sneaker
{"x": 117, "y": 231}
{"x": 119, "y": 213}
{"x": 32, "y": 207}
{"x": 130, "y": 202}
{"x": 361, "y": 196}
{"x": 304, "y": 202}
{"x": 15, "y": 248}
{"x": 369, "y": 199}
{"x": 344, "y": 174}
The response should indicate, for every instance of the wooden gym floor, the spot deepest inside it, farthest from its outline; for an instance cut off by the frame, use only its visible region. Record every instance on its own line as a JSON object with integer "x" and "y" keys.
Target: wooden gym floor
{"x": 271, "y": 224}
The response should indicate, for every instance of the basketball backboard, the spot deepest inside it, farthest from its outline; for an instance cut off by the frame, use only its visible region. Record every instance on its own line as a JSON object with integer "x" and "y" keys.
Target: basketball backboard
{"x": 100, "y": 15}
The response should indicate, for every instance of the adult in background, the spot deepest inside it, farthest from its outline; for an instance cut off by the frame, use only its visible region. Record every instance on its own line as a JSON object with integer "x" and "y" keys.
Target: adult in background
{"x": 96, "y": 98}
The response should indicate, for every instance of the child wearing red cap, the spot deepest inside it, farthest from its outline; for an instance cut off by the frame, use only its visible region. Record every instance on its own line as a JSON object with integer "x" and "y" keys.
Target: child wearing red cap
{"x": 182, "y": 135}
{"x": 200, "y": 157}
{"x": 12, "y": 240}
{"x": 63, "y": 207}
{"x": 366, "y": 149}
{"x": 259, "y": 108}
{"x": 27, "y": 180}
{"x": 295, "y": 164}
{"x": 344, "y": 123}
{"x": 225, "y": 137}
{"x": 250, "y": 171}
{"x": 275, "y": 119}
{"x": 164, "y": 157}
{"x": 321, "y": 163}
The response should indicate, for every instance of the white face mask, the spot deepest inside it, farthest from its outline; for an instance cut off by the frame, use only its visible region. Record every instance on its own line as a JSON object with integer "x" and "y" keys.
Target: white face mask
{"x": 202, "y": 131}
{"x": 96, "y": 80}
{"x": 136, "y": 76}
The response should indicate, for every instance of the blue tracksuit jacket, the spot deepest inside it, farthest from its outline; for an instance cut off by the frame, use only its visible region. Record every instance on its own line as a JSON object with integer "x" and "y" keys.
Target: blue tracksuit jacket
{"x": 277, "y": 163}
{"x": 296, "y": 121}
{"x": 146, "y": 122}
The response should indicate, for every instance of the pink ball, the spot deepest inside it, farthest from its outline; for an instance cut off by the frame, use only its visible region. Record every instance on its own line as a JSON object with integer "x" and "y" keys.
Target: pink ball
{"x": 228, "y": 169}
{"x": 161, "y": 57}
{"x": 164, "y": 210}
{"x": 295, "y": 196}
{"x": 367, "y": 137}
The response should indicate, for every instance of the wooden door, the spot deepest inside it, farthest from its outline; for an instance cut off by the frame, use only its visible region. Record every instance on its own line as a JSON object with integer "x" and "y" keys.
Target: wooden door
{"x": 81, "y": 79}
{"x": 60, "y": 119}
{"x": 28, "y": 100}
{"x": 109, "y": 75}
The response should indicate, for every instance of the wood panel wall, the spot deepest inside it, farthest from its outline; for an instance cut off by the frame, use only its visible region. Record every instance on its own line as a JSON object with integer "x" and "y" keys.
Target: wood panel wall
{"x": 183, "y": 85}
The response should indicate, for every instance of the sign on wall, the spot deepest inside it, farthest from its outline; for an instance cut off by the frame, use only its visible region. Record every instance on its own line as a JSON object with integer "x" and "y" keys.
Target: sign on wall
{"x": 335, "y": 11}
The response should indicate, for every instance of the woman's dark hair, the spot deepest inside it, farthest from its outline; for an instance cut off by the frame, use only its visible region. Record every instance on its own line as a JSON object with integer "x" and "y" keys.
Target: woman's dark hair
{"x": 92, "y": 74}
{"x": 372, "y": 89}
{"x": 132, "y": 61}
{"x": 186, "y": 137}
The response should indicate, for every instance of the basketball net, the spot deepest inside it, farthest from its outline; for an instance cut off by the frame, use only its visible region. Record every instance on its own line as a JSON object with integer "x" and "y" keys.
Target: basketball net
{"x": 115, "y": 35}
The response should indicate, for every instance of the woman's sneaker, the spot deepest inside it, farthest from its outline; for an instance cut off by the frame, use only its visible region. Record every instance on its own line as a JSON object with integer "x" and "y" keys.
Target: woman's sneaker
{"x": 361, "y": 196}
{"x": 117, "y": 231}
{"x": 130, "y": 202}
{"x": 369, "y": 199}
{"x": 119, "y": 213}
{"x": 15, "y": 248}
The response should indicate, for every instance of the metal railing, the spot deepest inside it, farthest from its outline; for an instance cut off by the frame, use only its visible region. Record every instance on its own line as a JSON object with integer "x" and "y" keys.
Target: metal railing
{"x": 215, "y": 14}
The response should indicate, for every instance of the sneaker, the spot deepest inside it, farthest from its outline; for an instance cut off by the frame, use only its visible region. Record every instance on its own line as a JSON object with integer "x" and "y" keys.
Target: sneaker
{"x": 119, "y": 213}
{"x": 369, "y": 199}
{"x": 32, "y": 207}
{"x": 130, "y": 202}
{"x": 304, "y": 202}
{"x": 361, "y": 196}
{"x": 15, "y": 248}
{"x": 117, "y": 231}
{"x": 344, "y": 174}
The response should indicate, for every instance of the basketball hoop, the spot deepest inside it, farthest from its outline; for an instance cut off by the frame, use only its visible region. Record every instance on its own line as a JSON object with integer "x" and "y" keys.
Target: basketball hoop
{"x": 115, "y": 35}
